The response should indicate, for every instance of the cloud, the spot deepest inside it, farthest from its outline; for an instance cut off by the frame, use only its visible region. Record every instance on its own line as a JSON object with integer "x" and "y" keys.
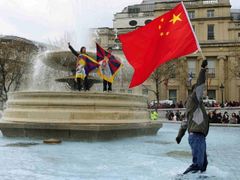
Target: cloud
{"x": 7, "y": 28}
{"x": 50, "y": 19}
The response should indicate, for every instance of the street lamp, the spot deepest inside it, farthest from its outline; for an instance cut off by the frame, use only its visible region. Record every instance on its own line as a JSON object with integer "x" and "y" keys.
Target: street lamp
{"x": 222, "y": 88}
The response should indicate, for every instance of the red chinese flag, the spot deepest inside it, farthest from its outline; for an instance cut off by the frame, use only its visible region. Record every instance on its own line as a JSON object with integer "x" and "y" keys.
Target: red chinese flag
{"x": 165, "y": 38}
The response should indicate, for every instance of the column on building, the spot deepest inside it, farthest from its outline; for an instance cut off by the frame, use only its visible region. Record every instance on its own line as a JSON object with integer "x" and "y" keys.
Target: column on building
{"x": 231, "y": 86}
{"x": 221, "y": 76}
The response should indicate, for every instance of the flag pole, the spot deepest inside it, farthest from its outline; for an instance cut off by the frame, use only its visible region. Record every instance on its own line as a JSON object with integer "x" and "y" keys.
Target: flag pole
{"x": 203, "y": 57}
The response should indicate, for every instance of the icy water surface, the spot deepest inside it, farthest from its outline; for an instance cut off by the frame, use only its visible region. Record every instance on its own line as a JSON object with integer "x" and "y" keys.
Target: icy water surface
{"x": 140, "y": 158}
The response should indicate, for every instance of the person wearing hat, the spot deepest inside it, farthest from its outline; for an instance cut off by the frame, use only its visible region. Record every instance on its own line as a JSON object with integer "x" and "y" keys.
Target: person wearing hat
{"x": 197, "y": 124}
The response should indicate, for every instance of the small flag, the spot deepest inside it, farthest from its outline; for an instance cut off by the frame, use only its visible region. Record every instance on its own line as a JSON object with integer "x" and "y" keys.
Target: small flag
{"x": 88, "y": 62}
{"x": 108, "y": 64}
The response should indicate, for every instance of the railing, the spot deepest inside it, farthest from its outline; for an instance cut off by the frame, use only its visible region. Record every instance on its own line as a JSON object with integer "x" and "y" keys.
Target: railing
{"x": 210, "y": 2}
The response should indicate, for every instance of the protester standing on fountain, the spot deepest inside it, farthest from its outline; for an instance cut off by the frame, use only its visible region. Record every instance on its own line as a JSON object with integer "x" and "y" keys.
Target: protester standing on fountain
{"x": 108, "y": 66}
{"x": 80, "y": 68}
{"x": 107, "y": 86}
{"x": 197, "y": 124}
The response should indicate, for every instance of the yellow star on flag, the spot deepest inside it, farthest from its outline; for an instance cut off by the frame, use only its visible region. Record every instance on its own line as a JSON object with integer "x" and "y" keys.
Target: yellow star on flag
{"x": 176, "y": 18}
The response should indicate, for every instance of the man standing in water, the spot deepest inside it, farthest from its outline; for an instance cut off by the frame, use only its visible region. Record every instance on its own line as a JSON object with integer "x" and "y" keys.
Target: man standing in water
{"x": 197, "y": 124}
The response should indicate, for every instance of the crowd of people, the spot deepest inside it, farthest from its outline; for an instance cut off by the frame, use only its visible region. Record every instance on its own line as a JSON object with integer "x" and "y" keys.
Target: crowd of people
{"x": 218, "y": 117}
{"x": 226, "y": 104}
{"x": 214, "y": 117}
{"x": 178, "y": 116}
{"x": 181, "y": 105}
{"x": 165, "y": 105}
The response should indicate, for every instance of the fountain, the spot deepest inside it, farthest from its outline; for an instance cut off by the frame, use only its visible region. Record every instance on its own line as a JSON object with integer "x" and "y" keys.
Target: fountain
{"x": 75, "y": 115}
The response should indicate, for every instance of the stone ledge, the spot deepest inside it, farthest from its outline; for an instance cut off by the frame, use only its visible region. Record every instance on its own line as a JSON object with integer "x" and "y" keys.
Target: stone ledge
{"x": 85, "y": 132}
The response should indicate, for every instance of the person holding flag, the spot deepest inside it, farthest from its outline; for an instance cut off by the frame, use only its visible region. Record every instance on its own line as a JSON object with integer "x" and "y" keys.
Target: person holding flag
{"x": 84, "y": 65}
{"x": 80, "y": 74}
{"x": 197, "y": 124}
{"x": 108, "y": 67}
{"x": 165, "y": 38}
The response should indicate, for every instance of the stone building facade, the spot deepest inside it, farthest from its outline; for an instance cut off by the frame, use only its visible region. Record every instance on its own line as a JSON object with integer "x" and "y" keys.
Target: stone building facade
{"x": 217, "y": 28}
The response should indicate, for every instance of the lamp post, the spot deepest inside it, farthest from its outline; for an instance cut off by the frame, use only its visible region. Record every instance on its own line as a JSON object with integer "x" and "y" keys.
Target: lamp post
{"x": 222, "y": 88}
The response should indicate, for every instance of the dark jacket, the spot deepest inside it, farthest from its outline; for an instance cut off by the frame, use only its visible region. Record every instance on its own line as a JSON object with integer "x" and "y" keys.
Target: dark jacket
{"x": 197, "y": 118}
{"x": 73, "y": 51}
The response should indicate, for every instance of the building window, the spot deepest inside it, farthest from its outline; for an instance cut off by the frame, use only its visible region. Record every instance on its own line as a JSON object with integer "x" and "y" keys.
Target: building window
{"x": 122, "y": 90}
{"x": 133, "y": 10}
{"x": 210, "y": 31}
{"x": 210, "y": 13}
{"x": 117, "y": 41}
{"x": 192, "y": 68}
{"x": 191, "y": 14}
{"x": 130, "y": 91}
{"x": 173, "y": 95}
{"x": 147, "y": 21}
{"x": 239, "y": 34}
{"x": 132, "y": 23}
{"x": 211, "y": 68}
{"x": 144, "y": 91}
{"x": 211, "y": 94}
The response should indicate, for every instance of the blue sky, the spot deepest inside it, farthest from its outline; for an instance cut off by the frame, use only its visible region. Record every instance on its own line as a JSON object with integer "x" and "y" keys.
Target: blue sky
{"x": 50, "y": 20}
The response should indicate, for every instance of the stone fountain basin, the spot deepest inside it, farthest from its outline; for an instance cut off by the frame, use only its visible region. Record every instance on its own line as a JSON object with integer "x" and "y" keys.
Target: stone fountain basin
{"x": 77, "y": 115}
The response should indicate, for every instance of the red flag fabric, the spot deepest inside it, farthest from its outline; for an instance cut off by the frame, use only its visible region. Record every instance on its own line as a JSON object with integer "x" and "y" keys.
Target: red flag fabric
{"x": 165, "y": 38}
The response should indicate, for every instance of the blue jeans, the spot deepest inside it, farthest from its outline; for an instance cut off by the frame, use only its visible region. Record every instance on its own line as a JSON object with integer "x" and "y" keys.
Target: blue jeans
{"x": 198, "y": 146}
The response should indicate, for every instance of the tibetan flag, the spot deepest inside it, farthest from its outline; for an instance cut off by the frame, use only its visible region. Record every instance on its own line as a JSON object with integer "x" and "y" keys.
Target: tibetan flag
{"x": 108, "y": 64}
{"x": 89, "y": 63}
{"x": 165, "y": 38}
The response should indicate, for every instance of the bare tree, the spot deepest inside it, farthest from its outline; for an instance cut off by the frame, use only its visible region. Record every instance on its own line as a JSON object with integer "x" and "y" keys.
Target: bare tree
{"x": 61, "y": 43}
{"x": 14, "y": 56}
{"x": 11, "y": 72}
{"x": 235, "y": 70}
{"x": 162, "y": 75}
